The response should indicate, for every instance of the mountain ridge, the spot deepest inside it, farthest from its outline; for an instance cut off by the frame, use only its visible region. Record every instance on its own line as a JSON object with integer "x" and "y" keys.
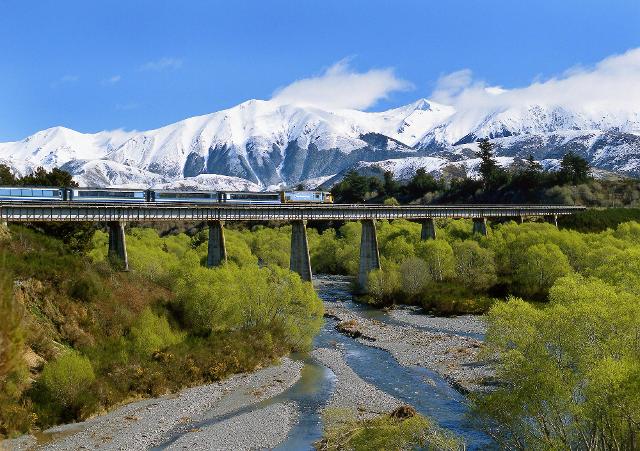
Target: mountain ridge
{"x": 264, "y": 143}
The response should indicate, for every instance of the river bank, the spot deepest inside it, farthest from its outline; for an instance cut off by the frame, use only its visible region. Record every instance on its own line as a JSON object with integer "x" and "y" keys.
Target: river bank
{"x": 403, "y": 358}
{"x": 151, "y": 422}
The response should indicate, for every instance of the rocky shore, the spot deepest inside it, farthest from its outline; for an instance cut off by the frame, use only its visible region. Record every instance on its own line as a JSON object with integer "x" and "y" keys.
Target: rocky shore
{"x": 153, "y": 422}
{"x": 351, "y": 391}
{"x": 454, "y": 356}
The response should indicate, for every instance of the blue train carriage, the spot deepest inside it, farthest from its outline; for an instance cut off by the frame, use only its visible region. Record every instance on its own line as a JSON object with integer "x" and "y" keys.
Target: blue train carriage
{"x": 197, "y": 197}
{"x": 21, "y": 193}
{"x": 250, "y": 197}
{"x": 120, "y": 195}
{"x": 307, "y": 197}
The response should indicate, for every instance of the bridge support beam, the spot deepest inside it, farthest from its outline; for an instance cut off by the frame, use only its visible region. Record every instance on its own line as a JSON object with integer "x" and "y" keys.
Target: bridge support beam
{"x": 117, "y": 246}
{"x": 480, "y": 226}
{"x": 299, "y": 261}
{"x": 369, "y": 253}
{"x": 216, "y": 250}
{"x": 552, "y": 219}
{"x": 428, "y": 231}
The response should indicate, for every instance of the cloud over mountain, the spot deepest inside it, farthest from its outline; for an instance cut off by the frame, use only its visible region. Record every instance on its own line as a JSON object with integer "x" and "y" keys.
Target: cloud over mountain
{"x": 340, "y": 87}
{"x": 612, "y": 84}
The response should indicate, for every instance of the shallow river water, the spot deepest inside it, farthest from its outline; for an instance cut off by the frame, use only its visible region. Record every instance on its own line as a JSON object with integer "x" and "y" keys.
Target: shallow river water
{"x": 429, "y": 393}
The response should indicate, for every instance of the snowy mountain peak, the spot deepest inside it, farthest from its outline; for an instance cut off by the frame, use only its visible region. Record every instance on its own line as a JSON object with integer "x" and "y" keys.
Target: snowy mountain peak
{"x": 261, "y": 143}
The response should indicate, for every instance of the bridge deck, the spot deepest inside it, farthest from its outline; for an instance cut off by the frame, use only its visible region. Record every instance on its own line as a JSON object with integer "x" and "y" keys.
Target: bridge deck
{"x": 72, "y": 212}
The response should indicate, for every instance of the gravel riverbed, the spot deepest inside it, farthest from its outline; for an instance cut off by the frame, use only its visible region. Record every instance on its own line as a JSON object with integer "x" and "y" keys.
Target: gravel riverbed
{"x": 365, "y": 400}
{"x": 455, "y": 357}
{"x": 463, "y": 324}
{"x": 148, "y": 423}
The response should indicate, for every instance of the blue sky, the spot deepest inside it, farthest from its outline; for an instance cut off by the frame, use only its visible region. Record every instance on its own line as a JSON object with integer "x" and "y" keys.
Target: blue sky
{"x": 129, "y": 64}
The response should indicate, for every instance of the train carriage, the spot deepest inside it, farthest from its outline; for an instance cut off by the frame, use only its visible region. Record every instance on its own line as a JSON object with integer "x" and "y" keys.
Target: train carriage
{"x": 198, "y": 197}
{"x": 120, "y": 195}
{"x": 250, "y": 197}
{"x": 22, "y": 193}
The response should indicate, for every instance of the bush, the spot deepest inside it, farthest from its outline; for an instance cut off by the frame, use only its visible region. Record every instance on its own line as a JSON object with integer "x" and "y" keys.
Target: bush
{"x": 152, "y": 333}
{"x": 569, "y": 371}
{"x": 343, "y": 431}
{"x": 64, "y": 388}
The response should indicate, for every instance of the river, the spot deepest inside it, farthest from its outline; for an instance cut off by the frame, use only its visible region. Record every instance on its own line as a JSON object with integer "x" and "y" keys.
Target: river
{"x": 280, "y": 406}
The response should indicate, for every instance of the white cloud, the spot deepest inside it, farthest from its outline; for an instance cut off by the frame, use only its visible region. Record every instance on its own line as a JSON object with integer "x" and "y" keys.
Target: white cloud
{"x": 613, "y": 84}
{"x": 164, "y": 63}
{"x": 112, "y": 80}
{"x": 341, "y": 87}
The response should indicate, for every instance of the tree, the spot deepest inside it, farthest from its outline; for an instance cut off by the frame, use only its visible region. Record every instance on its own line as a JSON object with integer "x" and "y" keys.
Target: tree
{"x": 438, "y": 255}
{"x": 6, "y": 176}
{"x": 414, "y": 274}
{"x": 390, "y": 186}
{"x": 421, "y": 183}
{"x": 41, "y": 177}
{"x": 492, "y": 175}
{"x": 382, "y": 286}
{"x": 475, "y": 266}
{"x": 355, "y": 188}
{"x": 541, "y": 266}
{"x": 573, "y": 169}
{"x": 569, "y": 372}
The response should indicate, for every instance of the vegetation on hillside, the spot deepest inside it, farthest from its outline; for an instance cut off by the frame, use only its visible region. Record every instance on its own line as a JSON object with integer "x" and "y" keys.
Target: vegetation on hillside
{"x": 78, "y": 337}
{"x": 75, "y": 235}
{"x": 524, "y": 181}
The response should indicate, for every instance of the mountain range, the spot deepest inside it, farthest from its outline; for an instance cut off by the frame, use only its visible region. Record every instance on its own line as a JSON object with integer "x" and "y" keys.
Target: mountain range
{"x": 264, "y": 144}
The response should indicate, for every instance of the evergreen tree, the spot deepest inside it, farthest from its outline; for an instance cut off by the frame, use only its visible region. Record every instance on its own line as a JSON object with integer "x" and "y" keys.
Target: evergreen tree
{"x": 492, "y": 175}
{"x": 391, "y": 187}
{"x": 573, "y": 169}
{"x": 421, "y": 183}
{"x": 6, "y": 177}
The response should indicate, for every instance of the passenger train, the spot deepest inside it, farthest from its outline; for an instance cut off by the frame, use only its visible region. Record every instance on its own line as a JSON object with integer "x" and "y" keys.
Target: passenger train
{"x": 135, "y": 196}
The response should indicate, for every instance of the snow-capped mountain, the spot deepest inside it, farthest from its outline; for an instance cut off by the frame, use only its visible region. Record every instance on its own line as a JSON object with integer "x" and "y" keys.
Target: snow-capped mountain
{"x": 260, "y": 144}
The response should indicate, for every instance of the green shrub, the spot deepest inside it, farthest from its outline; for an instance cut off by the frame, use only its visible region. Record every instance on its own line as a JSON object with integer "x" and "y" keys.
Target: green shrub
{"x": 343, "y": 431}
{"x": 64, "y": 388}
{"x": 152, "y": 333}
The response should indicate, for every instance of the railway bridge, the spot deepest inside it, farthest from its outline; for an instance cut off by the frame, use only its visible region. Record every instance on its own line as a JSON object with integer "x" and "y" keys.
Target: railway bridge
{"x": 117, "y": 215}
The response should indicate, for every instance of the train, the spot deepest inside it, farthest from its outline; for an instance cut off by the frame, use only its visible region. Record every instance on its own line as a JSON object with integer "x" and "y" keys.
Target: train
{"x": 137, "y": 196}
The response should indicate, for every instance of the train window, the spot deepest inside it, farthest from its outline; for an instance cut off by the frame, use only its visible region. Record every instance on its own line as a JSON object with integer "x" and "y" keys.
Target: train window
{"x": 127, "y": 194}
{"x": 186, "y": 195}
{"x": 49, "y": 193}
{"x": 5, "y": 192}
{"x": 16, "y": 192}
{"x": 254, "y": 196}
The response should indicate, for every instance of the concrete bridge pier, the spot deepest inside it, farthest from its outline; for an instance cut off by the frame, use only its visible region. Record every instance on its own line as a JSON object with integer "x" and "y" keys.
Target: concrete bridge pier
{"x": 117, "y": 246}
{"x": 428, "y": 231}
{"x": 552, "y": 219}
{"x": 216, "y": 250}
{"x": 300, "y": 261}
{"x": 369, "y": 253}
{"x": 480, "y": 226}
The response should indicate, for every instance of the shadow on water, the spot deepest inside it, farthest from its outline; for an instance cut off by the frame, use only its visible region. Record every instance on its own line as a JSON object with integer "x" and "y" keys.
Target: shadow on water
{"x": 424, "y": 389}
